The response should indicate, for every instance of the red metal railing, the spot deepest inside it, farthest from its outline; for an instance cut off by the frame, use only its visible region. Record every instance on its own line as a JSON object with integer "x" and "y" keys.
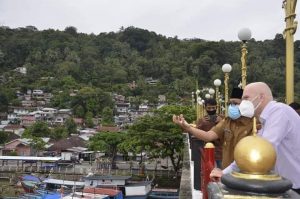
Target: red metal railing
{"x": 207, "y": 165}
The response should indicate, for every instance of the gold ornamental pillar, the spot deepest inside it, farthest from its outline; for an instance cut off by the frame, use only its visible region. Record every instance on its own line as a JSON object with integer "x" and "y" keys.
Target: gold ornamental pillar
{"x": 217, "y": 84}
{"x": 291, "y": 26}
{"x": 198, "y": 105}
{"x": 193, "y": 99}
{"x": 226, "y": 68}
{"x": 244, "y": 35}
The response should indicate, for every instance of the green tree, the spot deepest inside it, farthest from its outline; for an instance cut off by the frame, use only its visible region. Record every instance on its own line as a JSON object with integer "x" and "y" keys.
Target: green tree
{"x": 61, "y": 100}
{"x": 37, "y": 144}
{"x": 91, "y": 100}
{"x": 79, "y": 111}
{"x": 38, "y": 129}
{"x": 6, "y": 96}
{"x": 89, "y": 120}
{"x": 158, "y": 136}
{"x": 107, "y": 115}
{"x": 71, "y": 126}
{"x": 107, "y": 142}
{"x": 3, "y": 137}
{"x": 3, "y": 102}
{"x": 59, "y": 132}
{"x": 71, "y": 30}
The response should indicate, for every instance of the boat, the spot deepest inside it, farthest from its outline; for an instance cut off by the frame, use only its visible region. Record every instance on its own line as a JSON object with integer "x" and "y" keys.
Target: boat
{"x": 113, "y": 187}
{"x": 164, "y": 194}
{"x": 80, "y": 195}
{"x": 29, "y": 183}
{"x": 30, "y": 178}
{"x": 40, "y": 194}
{"x": 29, "y": 186}
{"x": 111, "y": 193}
{"x": 137, "y": 190}
{"x": 56, "y": 184}
{"x": 130, "y": 189}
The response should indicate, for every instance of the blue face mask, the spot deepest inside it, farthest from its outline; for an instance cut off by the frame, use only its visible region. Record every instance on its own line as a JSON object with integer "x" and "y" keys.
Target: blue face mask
{"x": 234, "y": 112}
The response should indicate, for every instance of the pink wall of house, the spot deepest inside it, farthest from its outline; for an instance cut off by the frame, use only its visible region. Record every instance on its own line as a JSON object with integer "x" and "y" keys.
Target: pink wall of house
{"x": 21, "y": 149}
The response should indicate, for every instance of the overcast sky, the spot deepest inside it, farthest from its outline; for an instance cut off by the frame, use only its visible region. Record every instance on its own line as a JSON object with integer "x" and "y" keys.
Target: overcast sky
{"x": 204, "y": 19}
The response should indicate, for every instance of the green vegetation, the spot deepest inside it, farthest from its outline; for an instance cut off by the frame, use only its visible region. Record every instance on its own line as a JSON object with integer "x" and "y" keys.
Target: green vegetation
{"x": 107, "y": 142}
{"x": 157, "y": 136}
{"x": 96, "y": 65}
{"x": 3, "y": 137}
{"x": 154, "y": 135}
{"x": 41, "y": 129}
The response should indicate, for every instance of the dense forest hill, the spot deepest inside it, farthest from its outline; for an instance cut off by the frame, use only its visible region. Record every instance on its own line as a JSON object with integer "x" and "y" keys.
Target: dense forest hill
{"x": 59, "y": 61}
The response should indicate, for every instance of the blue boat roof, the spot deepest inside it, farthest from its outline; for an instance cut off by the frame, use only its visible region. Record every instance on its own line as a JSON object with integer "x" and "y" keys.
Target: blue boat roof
{"x": 52, "y": 196}
{"x": 31, "y": 178}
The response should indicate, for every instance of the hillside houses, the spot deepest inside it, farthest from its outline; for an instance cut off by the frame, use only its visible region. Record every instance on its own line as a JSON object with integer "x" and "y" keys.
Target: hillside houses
{"x": 27, "y": 116}
{"x": 34, "y": 108}
{"x": 126, "y": 114}
{"x": 151, "y": 81}
{"x": 34, "y": 98}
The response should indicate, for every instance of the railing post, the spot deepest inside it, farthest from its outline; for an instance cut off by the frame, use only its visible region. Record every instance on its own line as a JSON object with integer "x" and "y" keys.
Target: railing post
{"x": 197, "y": 145}
{"x": 207, "y": 165}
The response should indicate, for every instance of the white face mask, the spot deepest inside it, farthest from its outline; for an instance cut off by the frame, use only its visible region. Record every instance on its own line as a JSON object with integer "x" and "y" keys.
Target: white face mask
{"x": 247, "y": 108}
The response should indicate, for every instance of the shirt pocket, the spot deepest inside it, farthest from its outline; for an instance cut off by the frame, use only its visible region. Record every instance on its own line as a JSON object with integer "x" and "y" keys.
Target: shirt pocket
{"x": 227, "y": 137}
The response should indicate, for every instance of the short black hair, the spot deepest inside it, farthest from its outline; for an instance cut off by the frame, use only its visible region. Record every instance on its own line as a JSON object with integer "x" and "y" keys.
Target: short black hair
{"x": 210, "y": 101}
{"x": 295, "y": 105}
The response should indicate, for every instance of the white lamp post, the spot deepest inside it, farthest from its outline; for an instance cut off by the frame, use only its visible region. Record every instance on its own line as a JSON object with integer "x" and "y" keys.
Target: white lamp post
{"x": 211, "y": 91}
{"x": 244, "y": 35}
{"x": 226, "y": 68}
{"x": 207, "y": 96}
{"x": 217, "y": 84}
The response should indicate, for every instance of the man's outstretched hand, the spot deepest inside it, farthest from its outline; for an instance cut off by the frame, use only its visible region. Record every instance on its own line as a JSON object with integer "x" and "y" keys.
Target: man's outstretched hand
{"x": 179, "y": 119}
{"x": 216, "y": 174}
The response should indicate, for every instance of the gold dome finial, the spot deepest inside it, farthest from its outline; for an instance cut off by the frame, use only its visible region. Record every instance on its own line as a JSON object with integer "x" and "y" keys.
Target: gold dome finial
{"x": 254, "y": 155}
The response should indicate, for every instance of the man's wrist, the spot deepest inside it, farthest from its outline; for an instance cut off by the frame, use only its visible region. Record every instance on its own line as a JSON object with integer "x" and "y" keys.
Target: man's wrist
{"x": 188, "y": 127}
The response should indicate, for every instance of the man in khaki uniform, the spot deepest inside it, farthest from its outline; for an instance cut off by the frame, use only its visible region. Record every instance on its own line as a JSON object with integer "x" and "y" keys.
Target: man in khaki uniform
{"x": 230, "y": 130}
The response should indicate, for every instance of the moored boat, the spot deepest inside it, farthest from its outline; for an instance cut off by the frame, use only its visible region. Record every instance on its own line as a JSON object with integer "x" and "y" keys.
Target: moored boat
{"x": 112, "y": 193}
{"x": 55, "y": 184}
{"x": 164, "y": 194}
{"x": 29, "y": 183}
{"x": 29, "y": 186}
{"x": 130, "y": 189}
{"x": 81, "y": 195}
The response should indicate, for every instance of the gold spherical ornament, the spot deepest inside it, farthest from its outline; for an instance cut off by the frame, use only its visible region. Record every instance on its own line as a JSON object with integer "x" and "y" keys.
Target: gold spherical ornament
{"x": 254, "y": 155}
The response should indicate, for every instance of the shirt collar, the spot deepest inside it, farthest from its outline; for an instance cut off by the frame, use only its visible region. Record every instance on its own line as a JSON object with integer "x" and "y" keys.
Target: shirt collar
{"x": 244, "y": 120}
{"x": 266, "y": 112}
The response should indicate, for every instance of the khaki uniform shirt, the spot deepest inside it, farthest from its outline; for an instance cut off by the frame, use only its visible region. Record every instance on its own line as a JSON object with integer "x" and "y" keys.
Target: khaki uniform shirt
{"x": 230, "y": 132}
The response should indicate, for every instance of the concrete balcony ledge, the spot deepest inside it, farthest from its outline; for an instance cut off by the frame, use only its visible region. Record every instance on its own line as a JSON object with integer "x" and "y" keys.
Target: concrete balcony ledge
{"x": 186, "y": 190}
